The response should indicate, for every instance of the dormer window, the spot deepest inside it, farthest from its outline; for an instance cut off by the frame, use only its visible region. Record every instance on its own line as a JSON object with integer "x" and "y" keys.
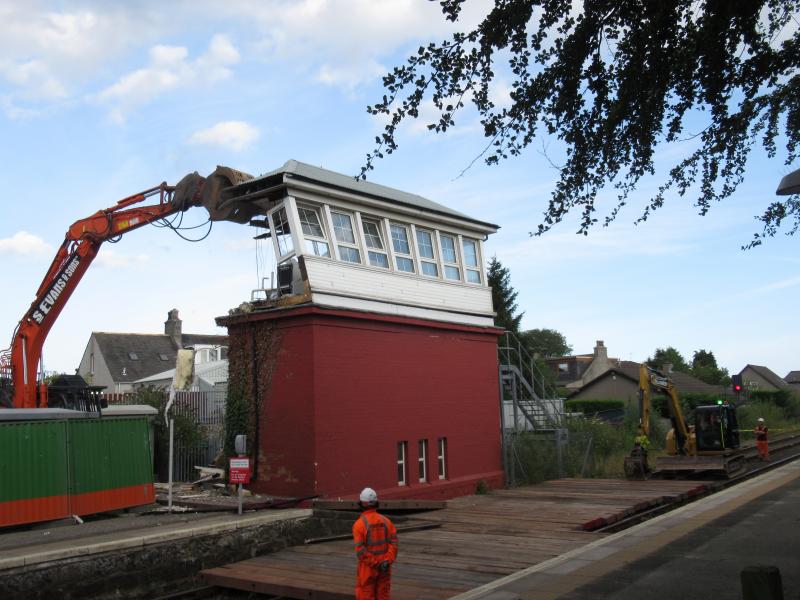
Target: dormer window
{"x": 427, "y": 253}
{"x": 346, "y": 239}
{"x": 471, "y": 260}
{"x": 402, "y": 249}
{"x": 373, "y": 239}
{"x": 313, "y": 232}
{"x": 450, "y": 258}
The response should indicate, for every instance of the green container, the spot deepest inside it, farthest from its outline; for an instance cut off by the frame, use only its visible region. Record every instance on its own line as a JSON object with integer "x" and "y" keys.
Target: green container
{"x": 55, "y": 463}
{"x": 109, "y": 453}
{"x": 33, "y": 460}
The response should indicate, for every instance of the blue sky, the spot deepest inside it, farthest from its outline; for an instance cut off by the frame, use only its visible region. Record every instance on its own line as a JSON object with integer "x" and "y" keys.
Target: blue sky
{"x": 101, "y": 100}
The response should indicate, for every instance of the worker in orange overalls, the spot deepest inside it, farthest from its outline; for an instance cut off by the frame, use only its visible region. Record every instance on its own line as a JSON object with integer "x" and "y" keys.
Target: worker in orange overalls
{"x": 761, "y": 439}
{"x": 375, "y": 537}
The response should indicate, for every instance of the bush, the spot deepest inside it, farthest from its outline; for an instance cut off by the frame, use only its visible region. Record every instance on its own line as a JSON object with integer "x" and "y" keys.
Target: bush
{"x": 780, "y": 398}
{"x": 591, "y": 407}
{"x": 187, "y": 433}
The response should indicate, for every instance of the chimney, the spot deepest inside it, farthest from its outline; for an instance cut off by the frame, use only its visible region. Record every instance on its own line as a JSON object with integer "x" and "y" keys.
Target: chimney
{"x": 667, "y": 368}
{"x": 172, "y": 327}
{"x": 600, "y": 350}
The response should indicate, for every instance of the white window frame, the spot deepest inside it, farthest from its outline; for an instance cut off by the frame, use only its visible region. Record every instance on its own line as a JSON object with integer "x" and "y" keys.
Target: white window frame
{"x": 355, "y": 244}
{"x": 290, "y": 217}
{"x": 441, "y": 457}
{"x": 367, "y": 248}
{"x": 397, "y": 254}
{"x": 477, "y": 268}
{"x": 422, "y": 460}
{"x": 446, "y": 263}
{"x": 423, "y": 259}
{"x": 313, "y": 238}
{"x": 402, "y": 463}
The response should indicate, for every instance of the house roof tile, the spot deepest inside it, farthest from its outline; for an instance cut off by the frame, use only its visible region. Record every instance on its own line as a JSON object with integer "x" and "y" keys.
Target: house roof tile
{"x": 132, "y": 356}
{"x": 792, "y": 377}
{"x": 773, "y": 378}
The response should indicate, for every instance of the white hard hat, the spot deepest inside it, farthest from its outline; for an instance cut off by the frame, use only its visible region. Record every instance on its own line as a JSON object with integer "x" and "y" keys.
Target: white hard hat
{"x": 760, "y": 420}
{"x": 368, "y": 496}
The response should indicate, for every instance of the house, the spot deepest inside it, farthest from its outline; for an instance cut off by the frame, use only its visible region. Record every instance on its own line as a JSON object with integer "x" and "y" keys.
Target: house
{"x": 756, "y": 377}
{"x": 572, "y": 372}
{"x": 117, "y": 360}
{"x": 373, "y": 359}
{"x": 621, "y": 382}
{"x": 793, "y": 379}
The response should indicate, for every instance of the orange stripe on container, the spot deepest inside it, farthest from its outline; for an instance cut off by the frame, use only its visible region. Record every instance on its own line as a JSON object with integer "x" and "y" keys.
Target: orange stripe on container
{"x": 103, "y": 500}
{"x": 31, "y": 510}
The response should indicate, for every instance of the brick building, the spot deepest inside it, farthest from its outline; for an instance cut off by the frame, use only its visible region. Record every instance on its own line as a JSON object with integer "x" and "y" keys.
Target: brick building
{"x": 373, "y": 361}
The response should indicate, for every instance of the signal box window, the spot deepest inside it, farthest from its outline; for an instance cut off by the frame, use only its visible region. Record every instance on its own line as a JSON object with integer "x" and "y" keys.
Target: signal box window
{"x": 450, "y": 258}
{"x": 402, "y": 249}
{"x": 427, "y": 254}
{"x": 282, "y": 233}
{"x": 471, "y": 260}
{"x": 313, "y": 232}
{"x": 343, "y": 229}
{"x": 373, "y": 238}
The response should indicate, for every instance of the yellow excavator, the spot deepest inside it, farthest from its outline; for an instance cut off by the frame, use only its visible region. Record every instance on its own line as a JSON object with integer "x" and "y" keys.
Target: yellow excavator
{"x": 710, "y": 445}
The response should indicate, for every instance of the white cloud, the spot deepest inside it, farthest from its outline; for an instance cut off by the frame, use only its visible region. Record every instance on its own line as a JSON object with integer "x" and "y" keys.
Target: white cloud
{"x": 24, "y": 243}
{"x": 341, "y": 41}
{"x": 110, "y": 259}
{"x": 46, "y": 53}
{"x": 169, "y": 69}
{"x": 235, "y": 135}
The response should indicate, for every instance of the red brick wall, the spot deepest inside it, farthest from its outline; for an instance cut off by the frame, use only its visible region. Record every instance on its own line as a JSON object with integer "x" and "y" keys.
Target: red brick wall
{"x": 348, "y": 386}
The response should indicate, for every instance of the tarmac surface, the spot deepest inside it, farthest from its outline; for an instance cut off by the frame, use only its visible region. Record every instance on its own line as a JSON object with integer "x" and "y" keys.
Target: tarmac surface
{"x": 692, "y": 553}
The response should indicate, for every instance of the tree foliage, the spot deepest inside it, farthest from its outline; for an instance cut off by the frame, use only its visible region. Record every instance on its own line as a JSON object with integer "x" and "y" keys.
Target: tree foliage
{"x": 704, "y": 367}
{"x": 504, "y": 297}
{"x": 668, "y": 355}
{"x": 611, "y": 82}
{"x": 545, "y": 342}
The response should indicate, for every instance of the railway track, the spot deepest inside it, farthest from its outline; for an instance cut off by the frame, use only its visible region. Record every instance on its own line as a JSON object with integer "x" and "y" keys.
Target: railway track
{"x": 784, "y": 450}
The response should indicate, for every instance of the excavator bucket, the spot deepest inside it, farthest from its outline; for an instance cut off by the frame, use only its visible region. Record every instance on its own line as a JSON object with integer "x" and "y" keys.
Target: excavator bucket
{"x": 214, "y": 193}
{"x": 218, "y": 200}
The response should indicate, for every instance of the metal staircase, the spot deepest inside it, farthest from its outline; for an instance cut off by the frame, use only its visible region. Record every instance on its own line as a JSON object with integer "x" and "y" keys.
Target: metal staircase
{"x": 528, "y": 401}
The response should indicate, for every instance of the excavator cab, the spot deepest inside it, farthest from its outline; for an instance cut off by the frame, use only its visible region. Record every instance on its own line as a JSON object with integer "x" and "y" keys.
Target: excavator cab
{"x": 716, "y": 428}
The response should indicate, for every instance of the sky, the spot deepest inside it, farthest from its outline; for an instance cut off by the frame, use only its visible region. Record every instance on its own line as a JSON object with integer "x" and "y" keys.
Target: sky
{"x": 101, "y": 100}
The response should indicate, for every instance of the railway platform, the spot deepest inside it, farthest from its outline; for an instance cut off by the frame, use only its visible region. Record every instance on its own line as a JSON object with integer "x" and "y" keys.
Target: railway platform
{"x": 694, "y": 552}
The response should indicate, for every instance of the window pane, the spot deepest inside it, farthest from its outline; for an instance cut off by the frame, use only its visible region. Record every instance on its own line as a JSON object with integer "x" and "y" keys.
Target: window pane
{"x": 378, "y": 259}
{"x": 349, "y": 254}
{"x": 425, "y": 244}
{"x": 430, "y": 269}
{"x": 471, "y": 253}
{"x": 309, "y": 221}
{"x": 473, "y": 276}
{"x": 400, "y": 239}
{"x": 343, "y": 227}
{"x": 400, "y": 453}
{"x": 405, "y": 264}
{"x": 449, "y": 249}
{"x": 452, "y": 273}
{"x": 372, "y": 234}
{"x": 282, "y": 233}
{"x": 401, "y": 476}
{"x": 318, "y": 248}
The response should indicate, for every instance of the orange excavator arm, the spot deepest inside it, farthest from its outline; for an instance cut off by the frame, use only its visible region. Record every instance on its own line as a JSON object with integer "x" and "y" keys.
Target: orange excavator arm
{"x": 81, "y": 245}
